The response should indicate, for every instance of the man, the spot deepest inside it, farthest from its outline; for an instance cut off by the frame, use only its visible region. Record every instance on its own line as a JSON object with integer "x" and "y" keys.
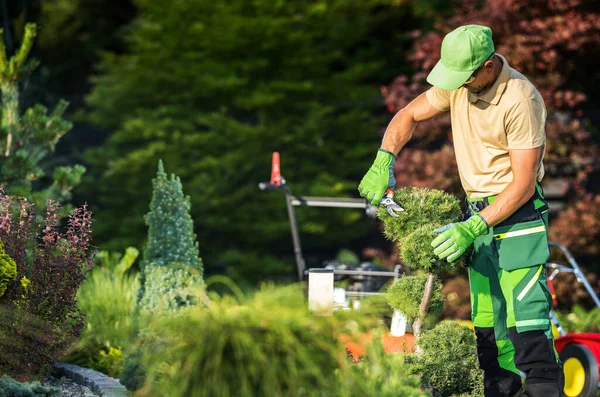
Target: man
{"x": 498, "y": 120}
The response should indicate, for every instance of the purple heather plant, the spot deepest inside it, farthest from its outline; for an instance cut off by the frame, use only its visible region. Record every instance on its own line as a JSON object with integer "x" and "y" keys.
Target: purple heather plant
{"x": 41, "y": 319}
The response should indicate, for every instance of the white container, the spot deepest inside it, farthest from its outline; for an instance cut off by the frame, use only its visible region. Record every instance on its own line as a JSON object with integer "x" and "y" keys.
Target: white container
{"x": 320, "y": 291}
{"x": 398, "y": 325}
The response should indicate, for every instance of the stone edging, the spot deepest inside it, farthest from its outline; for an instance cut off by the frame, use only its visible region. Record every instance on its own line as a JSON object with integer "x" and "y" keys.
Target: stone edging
{"x": 99, "y": 383}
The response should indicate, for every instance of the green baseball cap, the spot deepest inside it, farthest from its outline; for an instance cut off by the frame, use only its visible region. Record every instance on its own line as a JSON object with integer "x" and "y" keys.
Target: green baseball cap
{"x": 463, "y": 51}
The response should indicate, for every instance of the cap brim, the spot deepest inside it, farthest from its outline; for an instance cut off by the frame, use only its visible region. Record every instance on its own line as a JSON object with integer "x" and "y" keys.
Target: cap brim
{"x": 447, "y": 79}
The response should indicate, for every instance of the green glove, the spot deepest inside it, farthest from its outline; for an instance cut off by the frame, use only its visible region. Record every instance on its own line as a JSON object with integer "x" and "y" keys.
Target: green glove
{"x": 455, "y": 238}
{"x": 379, "y": 177}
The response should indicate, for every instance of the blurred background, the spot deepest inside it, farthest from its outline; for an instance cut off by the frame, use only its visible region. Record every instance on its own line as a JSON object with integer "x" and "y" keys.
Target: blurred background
{"x": 214, "y": 87}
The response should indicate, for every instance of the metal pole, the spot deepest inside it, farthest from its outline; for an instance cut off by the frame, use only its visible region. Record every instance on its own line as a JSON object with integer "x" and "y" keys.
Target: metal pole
{"x": 295, "y": 235}
{"x": 577, "y": 271}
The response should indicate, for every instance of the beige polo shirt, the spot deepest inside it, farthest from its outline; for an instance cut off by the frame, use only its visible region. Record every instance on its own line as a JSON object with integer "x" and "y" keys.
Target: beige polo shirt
{"x": 511, "y": 115}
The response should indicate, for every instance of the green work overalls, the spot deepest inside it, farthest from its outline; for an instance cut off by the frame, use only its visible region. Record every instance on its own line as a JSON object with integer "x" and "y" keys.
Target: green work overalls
{"x": 511, "y": 303}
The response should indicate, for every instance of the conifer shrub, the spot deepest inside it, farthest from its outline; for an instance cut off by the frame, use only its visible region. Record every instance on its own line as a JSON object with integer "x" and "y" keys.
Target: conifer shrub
{"x": 170, "y": 288}
{"x": 11, "y": 388}
{"x": 421, "y": 206}
{"x": 448, "y": 364}
{"x": 417, "y": 251}
{"x": 269, "y": 345}
{"x": 406, "y": 293}
{"x": 171, "y": 260}
{"x": 384, "y": 375}
{"x": 40, "y": 318}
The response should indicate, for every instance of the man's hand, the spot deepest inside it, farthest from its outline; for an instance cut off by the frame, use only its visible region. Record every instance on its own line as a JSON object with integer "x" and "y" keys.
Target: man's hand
{"x": 379, "y": 177}
{"x": 455, "y": 238}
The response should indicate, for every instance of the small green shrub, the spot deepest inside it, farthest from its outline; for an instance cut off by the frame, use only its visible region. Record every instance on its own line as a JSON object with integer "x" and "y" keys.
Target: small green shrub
{"x": 171, "y": 237}
{"x": 170, "y": 288}
{"x": 11, "y": 388}
{"x": 8, "y": 270}
{"x": 384, "y": 375}
{"x": 448, "y": 363}
{"x": 406, "y": 293}
{"x": 270, "y": 345}
{"x": 108, "y": 297}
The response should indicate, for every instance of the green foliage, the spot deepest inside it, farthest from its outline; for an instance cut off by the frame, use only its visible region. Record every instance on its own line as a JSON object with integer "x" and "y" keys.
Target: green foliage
{"x": 384, "y": 375}
{"x": 133, "y": 373}
{"x": 189, "y": 91}
{"x": 270, "y": 345}
{"x": 448, "y": 363}
{"x": 8, "y": 269}
{"x": 108, "y": 297}
{"x": 406, "y": 293}
{"x": 27, "y": 140}
{"x": 171, "y": 263}
{"x": 171, "y": 237}
{"x": 11, "y": 388}
{"x": 170, "y": 288}
{"x": 580, "y": 319}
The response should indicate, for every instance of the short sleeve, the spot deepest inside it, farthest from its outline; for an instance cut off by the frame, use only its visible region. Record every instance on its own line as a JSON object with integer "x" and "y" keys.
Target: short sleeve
{"x": 525, "y": 125}
{"x": 438, "y": 98}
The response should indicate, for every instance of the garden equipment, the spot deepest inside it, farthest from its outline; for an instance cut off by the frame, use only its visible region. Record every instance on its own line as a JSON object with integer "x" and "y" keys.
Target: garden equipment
{"x": 579, "y": 352}
{"x": 277, "y": 182}
{"x": 390, "y": 205}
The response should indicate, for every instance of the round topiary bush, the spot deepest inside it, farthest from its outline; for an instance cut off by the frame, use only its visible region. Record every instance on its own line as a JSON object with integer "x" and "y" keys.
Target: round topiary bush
{"x": 448, "y": 363}
{"x": 422, "y": 206}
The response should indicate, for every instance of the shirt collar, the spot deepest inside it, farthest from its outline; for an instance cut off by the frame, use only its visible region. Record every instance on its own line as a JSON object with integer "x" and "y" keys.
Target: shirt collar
{"x": 493, "y": 95}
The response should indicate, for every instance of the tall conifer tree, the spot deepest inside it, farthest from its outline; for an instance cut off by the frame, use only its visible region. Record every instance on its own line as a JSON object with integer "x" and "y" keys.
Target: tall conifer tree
{"x": 171, "y": 261}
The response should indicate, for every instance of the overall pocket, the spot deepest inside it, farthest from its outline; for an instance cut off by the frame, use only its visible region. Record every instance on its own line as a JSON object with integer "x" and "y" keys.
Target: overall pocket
{"x": 522, "y": 245}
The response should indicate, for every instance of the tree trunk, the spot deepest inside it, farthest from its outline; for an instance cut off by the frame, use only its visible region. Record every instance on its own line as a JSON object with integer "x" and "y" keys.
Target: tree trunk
{"x": 10, "y": 116}
{"x": 423, "y": 308}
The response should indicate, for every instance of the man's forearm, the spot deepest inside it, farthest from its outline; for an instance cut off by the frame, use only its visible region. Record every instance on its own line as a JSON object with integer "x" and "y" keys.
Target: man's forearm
{"x": 507, "y": 202}
{"x": 398, "y": 132}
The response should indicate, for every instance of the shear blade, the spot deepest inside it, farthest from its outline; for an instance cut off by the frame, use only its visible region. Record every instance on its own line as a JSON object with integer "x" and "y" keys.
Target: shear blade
{"x": 393, "y": 210}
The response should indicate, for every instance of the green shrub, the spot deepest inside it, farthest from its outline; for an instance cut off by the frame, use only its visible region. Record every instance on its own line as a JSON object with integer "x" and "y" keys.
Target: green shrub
{"x": 171, "y": 237}
{"x": 384, "y": 375}
{"x": 108, "y": 298}
{"x": 448, "y": 363}
{"x": 580, "y": 319}
{"x": 170, "y": 288}
{"x": 8, "y": 269}
{"x": 406, "y": 293}
{"x": 11, "y": 388}
{"x": 270, "y": 345}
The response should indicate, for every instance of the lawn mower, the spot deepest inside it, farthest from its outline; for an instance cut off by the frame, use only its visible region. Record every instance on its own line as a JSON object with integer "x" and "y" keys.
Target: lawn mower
{"x": 579, "y": 352}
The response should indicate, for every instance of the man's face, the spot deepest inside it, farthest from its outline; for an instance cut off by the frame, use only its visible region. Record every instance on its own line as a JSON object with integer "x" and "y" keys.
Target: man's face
{"x": 482, "y": 78}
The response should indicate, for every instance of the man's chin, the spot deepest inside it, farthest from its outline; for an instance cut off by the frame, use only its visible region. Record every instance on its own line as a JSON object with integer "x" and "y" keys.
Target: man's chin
{"x": 475, "y": 90}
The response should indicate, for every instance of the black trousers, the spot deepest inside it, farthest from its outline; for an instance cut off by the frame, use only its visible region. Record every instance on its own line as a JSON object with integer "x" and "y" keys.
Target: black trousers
{"x": 534, "y": 356}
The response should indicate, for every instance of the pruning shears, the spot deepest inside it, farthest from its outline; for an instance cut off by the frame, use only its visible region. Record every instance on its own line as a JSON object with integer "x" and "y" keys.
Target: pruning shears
{"x": 390, "y": 205}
